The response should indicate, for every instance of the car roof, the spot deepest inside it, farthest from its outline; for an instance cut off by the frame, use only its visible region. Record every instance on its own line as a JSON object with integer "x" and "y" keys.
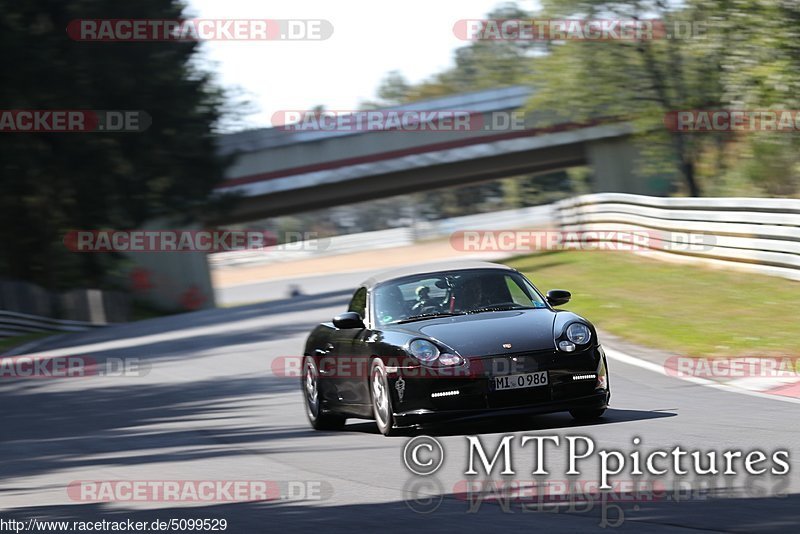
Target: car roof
{"x": 442, "y": 266}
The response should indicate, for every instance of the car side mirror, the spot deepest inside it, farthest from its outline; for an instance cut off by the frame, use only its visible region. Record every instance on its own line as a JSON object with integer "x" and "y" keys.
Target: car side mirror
{"x": 558, "y": 297}
{"x": 348, "y": 320}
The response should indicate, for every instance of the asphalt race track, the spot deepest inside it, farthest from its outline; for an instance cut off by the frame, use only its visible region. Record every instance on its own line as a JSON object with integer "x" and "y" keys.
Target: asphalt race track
{"x": 208, "y": 407}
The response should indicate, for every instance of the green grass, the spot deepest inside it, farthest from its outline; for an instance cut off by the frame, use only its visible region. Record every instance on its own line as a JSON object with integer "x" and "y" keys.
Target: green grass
{"x": 690, "y": 310}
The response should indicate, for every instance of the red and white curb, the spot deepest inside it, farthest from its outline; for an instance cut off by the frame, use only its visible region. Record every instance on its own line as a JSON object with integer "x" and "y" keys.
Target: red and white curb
{"x": 786, "y": 389}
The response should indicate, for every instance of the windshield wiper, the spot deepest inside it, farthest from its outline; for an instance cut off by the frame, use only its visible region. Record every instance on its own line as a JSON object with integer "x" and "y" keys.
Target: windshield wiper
{"x": 427, "y": 316}
{"x": 502, "y": 307}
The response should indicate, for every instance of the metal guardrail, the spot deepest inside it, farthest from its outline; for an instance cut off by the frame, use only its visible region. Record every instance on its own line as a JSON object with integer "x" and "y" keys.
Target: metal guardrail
{"x": 14, "y": 324}
{"x": 532, "y": 217}
{"x": 27, "y": 308}
{"x": 753, "y": 234}
{"x": 342, "y": 244}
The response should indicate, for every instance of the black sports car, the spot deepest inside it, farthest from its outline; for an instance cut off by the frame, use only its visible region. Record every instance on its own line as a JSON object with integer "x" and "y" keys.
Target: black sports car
{"x": 452, "y": 341}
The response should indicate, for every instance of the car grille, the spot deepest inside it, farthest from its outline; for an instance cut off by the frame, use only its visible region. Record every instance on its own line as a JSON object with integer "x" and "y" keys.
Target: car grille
{"x": 510, "y": 364}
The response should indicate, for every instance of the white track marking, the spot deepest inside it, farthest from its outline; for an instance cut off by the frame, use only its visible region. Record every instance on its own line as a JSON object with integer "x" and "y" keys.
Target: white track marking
{"x": 650, "y": 366}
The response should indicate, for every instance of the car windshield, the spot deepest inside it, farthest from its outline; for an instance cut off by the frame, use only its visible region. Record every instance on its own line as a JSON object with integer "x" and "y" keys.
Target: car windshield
{"x": 454, "y": 293}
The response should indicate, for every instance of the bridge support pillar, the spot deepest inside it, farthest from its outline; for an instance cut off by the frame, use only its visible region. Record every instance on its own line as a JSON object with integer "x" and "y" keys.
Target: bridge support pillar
{"x": 613, "y": 164}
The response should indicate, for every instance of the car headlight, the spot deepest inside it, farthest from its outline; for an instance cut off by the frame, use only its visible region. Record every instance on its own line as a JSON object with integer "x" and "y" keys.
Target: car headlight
{"x": 428, "y": 353}
{"x": 423, "y": 350}
{"x": 579, "y": 333}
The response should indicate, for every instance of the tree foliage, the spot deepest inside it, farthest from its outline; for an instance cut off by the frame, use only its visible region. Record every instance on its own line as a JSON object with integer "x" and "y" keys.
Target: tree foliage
{"x": 54, "y": 182}
{"x": 727, "y": 54}
{"x": 739, "y": 55}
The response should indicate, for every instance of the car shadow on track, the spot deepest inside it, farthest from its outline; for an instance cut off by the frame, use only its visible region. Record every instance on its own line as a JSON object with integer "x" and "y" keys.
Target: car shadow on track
{"x": 139, "y": 424}
{"x": 497, "y": 425}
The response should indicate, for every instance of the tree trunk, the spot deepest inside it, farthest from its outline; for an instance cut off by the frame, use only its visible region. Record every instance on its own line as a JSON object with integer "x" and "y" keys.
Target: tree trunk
{"x": 688, "y": 173}
{"x": 686, "y": 164}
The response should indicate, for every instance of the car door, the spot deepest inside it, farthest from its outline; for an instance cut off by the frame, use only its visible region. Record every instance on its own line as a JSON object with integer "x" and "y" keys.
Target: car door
{"x": 348, "y": 369}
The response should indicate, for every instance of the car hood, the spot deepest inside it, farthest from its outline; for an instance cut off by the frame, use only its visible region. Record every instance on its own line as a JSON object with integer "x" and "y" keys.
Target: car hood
{"x": 483, "y": 334}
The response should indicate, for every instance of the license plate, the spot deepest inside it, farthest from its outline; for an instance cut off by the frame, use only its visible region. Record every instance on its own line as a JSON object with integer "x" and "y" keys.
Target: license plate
{"x": 524, "y": 380}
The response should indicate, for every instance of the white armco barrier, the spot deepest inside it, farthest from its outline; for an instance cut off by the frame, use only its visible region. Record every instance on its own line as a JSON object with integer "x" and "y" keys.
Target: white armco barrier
{"x": 311, "y": 248}
{"x": 754, "y": 234}
{"x": 532, "y": 217}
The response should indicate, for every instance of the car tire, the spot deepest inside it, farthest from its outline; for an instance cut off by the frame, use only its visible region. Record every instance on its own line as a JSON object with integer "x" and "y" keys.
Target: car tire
{"x": 381, "y": 398}
{"x": 587, "y": 415}
{"x": 319, "y": 419}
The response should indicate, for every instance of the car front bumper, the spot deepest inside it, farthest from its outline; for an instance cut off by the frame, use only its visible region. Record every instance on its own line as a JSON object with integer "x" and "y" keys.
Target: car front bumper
{"x": 596, "y": 401}
{"x": 576, "y": 381}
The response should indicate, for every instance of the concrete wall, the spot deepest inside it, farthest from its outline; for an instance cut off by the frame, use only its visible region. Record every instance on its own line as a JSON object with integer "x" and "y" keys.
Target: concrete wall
{"x": 171, "y": 281}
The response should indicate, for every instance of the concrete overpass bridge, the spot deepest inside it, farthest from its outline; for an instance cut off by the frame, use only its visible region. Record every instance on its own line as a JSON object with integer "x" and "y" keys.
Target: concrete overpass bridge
{"x": 278, "y": 171}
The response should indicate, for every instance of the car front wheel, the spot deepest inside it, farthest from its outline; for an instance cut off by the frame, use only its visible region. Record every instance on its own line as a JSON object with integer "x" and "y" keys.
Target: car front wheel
{"x": 319, "y": 420}
{"x": 381, "y": 399}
